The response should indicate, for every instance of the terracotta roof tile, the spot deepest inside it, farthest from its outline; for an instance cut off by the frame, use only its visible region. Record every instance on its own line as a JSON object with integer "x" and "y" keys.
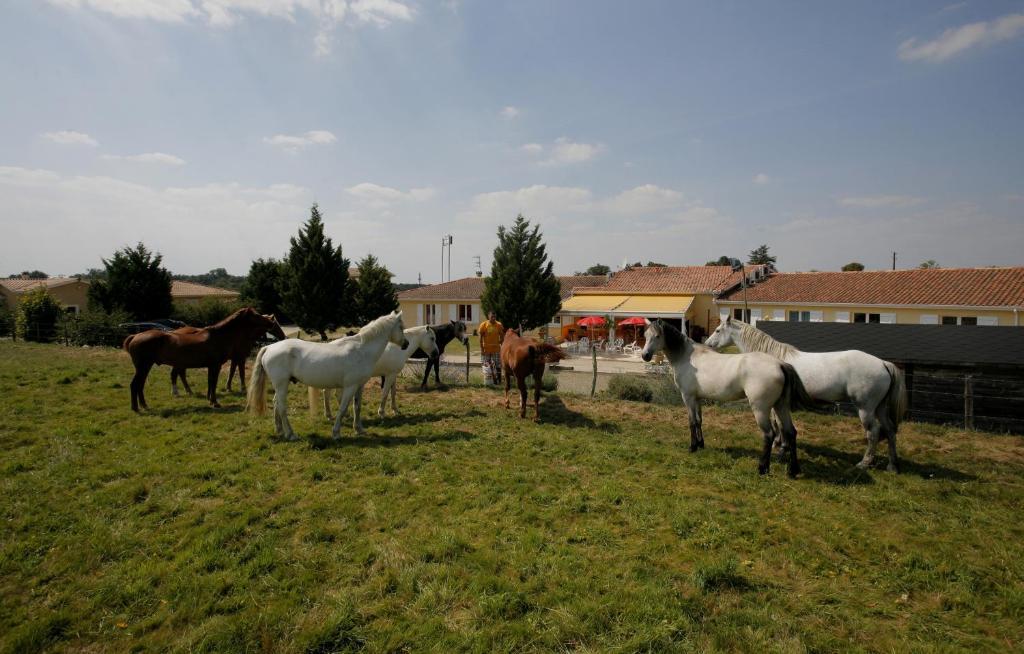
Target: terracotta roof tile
{"x": 25, "y": 285}
{"x": 191, "y": 289}
{"x": 472, "y": 288}
{"x": 979, "y": 287}
{"x": 674, "y": 279}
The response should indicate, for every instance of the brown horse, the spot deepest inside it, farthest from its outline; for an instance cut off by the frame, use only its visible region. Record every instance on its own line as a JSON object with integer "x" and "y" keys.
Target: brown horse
{"x": 242, "y": 350}
{"x": 207, "y": 348}
{"x": 523, "y": 357}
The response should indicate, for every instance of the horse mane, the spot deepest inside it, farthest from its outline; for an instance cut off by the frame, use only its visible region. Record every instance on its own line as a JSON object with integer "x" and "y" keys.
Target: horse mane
{"x": 375, "y": 328}
{"x": 755, "y": 340}
{"x": 231, "y": 319}
{"x": 675, "y": 340}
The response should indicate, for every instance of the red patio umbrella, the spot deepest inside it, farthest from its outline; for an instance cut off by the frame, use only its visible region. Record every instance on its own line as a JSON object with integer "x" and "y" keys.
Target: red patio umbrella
{"x": 635, "y": 320}
{"x": 591, "y": 321}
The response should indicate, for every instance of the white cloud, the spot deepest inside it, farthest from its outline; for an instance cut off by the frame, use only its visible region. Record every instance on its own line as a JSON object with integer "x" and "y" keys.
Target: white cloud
{"x": 380, "y": 12}
{"x": 880, "y": 201}
{"x": 644, "y": 199}
{"x": 382, "y": 197}
{"x": 761, "y": 179}
{"x": 509, "y": 112}
{"x": 147, "y": 157}
{"x": 957, "y": 40}
{"x": 535, "y": 202}
{"x": 295, "y": 142}
{"x": 69, "y": 137}
{"x": 166, "y": 11}
{"x": 85, "y": 218}
{"x": 563, "y": 151}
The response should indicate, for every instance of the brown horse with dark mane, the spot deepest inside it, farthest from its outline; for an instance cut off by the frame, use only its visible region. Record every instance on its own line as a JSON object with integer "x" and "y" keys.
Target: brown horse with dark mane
{"x": 523, "y": 357}
{"x": 208, "y": 348}
{"x": 241, "y": 351}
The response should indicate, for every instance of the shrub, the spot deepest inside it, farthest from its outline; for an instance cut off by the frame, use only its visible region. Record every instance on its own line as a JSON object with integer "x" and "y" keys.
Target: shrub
{"x": 630, "y": 387}
{"x": 37, "y": 316}
{"x": 6, "y": 319}
{"x": 664, "y": 390}
{"x": 207, "y": 312}
{"x": 95, "y": 327}
{"x": 548, "y": 383}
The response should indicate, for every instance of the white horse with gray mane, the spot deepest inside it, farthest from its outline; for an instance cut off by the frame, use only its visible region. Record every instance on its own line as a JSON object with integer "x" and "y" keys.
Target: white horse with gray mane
{"x": 874, "y": 386}
{"x": 347, "y": 366}
{"x": 701, "y": 373}
{"x": 388, "y": 366}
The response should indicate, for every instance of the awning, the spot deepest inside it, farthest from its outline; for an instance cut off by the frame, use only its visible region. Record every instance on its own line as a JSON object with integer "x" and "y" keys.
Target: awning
{"x": 628, "y": 305}
{"x": 592, "y": 304}
{"x": 649, "y": 305}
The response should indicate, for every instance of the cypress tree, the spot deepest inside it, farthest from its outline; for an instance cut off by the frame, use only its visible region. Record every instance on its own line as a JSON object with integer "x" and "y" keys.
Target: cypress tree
{"x": 374, "y": 293}
{"x": 135, "y": 283}
{"x": 522, "y": 289}
{"x": 262, "y": 287}
{"x": 315, "y": 293}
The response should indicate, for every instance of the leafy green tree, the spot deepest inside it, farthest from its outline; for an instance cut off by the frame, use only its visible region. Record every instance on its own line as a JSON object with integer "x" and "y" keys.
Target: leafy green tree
{"x": 759, "y": 255}
{"x": 853, "y": 266}
{"x": 37, "y": 316}
{"x": 6, "y": 319}
{"x": 375, "y": 295}
{"x": 522, "y": 289}
{"x": 596, "y": 269}
{"x": 931, "y": 263}
{"x": 204, "y": 313}
{"x": 136, "y": 283}
{"x": 720, "y": 261}
{"x": 653, "y": 264}
{"x": 30, "y": 274}
{"x": 262, "y": 287}
{"x": 316, "y": 293}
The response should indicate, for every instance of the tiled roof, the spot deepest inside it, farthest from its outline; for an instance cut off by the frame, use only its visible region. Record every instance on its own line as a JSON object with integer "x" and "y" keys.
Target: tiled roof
{"x": 467, "y": 288}
{"x": 673, "y": 279}
{"x": 191, "y": 289}
{"x": 472, "y": 288}
{"x": 25, "y": 285}
{"x": 976, "y": 287}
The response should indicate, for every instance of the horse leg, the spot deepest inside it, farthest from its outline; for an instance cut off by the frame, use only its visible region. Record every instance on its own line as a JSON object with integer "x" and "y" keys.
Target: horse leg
{"x": 508, "y": 386}
{"x": 184, "y": 381}
{"x": 872, "y": 427}
{"x": 437, "y": 371}
{"x": 241, "y": 375}
{"x": 281, "y": 423}
{"x": 764, "y": 421}
{"x": 694, "y": 413}
{"x": 231, "y": 375}
{"x": 785, "y": 419}
{"x": 700, "y": 424}
{"x": 426, "y": 372}
{"x": 327, "y": 403}
{"x": 357, "y": 413}
{"x": 138, "y": 385}
{"x": 212, "y": 373}
{"x": 347, "y": 393}
{"x": 888, "y": 431}
{"x": 521, "y": 385}
{"x": 537, "y": 375}
{"x": 174, "y": 382}
{"x": 394, "y": 393}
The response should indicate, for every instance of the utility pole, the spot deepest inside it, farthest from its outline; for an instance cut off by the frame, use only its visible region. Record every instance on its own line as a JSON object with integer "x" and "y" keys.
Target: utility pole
{"x": 479, "y": 268}
{"x": 446, "y": 242}
{"x": 894, "y": 261}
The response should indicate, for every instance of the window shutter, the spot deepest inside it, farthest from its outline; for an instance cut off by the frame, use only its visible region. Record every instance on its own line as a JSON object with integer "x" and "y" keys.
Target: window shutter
{"x": 988, "y": 321}
{"x": 419, "y": 314}
{"x": 817, "y": 316}
{"x": 929, "y": 319}
{"x": 453, "y": 312}
{"x": 842, "y": 316}
{"x": 887, "y": 318}
{"x": 779, "y": 314}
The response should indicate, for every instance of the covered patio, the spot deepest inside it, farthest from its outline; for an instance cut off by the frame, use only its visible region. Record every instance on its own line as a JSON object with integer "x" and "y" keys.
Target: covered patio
{"x": 603, "y": 316}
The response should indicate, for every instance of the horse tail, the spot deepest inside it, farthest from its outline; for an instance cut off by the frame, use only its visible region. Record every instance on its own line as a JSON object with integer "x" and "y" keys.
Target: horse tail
{"x": 127, "y": 342}
{"x": 896, "y": 397}
{"x": 256, "y": 399}
{"x": 548, "y": 353}
{"x": 796, "y": 395}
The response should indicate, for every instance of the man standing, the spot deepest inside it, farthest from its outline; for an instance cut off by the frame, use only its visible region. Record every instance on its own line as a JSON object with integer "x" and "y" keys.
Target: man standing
{"x": 491, "y": 332}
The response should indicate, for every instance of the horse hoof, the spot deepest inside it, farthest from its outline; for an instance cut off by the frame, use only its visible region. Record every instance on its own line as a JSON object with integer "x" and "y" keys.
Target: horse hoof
{"x": 762, "y": 470}
{"x": 793, "y": 472}
{"x": 864, "y": 465}
{"x": 700, "y": 443}
{"x": 893, "y": 468}
{"x": 694, "y": 447}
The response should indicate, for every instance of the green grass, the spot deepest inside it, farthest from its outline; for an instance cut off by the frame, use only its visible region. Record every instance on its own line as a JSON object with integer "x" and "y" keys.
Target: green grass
{"x": 459, "y": 527}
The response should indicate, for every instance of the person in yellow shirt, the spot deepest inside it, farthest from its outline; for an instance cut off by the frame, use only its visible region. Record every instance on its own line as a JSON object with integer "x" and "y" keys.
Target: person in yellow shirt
{"x": 491, "y": 332}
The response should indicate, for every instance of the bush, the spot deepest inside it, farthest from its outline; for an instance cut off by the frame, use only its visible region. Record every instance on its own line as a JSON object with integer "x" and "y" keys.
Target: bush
{"x": 37, "y": 316}
{"x": 207, "y": 312}
{"x": 6, "y": 319}
{"x": 664, "y": 390}
{"x": 630, "y": 387}
{"x": 548, "y": 383}
{"x": 95, "y": 327}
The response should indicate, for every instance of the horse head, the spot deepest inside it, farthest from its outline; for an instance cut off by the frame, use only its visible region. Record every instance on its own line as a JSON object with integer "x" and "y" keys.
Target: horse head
{"x": 654, "y": 336}
{"x": 459, "y": 329}
{"x": 397, "y": 334}
{"x": 274, "y": 327}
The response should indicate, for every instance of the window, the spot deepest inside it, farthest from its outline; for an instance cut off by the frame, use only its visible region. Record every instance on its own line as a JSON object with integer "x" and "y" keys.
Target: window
{"x": 799, "y": 316}
{"x": 737, "y": 314}
{"x": 968, "y": 320}
{"x": 71, "y": 309}
{"x": 960, "y": 320}
{"x": 948, "y": 320}
{"x": 867, "y": 317}
{"x": 466, "y": 312}
{"x": 429, "y": 314}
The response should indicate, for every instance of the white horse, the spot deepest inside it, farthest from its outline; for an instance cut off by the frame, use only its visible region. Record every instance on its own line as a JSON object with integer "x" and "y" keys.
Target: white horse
{"x": 347, "y": 366}
{"x": 874, "y": 386}
{"x": 388, "y": 366}
{"x": 701, "y": 373}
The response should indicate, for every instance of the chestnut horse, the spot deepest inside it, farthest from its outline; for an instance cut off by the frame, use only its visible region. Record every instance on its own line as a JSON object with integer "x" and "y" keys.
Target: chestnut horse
{"x": 523, "y": 357}
{"x": 207, "y": 348}
{"x": 242, "y": 350}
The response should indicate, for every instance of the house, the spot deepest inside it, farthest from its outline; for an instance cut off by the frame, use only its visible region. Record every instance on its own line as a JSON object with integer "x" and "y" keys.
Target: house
{"x": 192, "y": 293}
{"x": 674, "y": 293}
{"x": 935, "y": 296}
{"x": 71, "y": 292}
{"x": 459, "y": 299}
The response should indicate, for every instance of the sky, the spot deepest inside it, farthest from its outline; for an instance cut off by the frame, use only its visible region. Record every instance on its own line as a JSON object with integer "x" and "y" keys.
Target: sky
{"x": 669, "y": 131}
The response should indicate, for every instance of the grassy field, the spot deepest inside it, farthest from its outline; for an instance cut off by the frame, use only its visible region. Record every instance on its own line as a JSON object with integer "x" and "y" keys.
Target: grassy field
{"x": 458, "y": 527}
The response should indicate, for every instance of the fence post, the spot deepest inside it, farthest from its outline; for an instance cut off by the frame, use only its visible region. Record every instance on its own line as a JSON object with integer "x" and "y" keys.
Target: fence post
{"x": 969, "y": 403}
{"x": 467, "y": 365}
{"x": 593, "y": 382}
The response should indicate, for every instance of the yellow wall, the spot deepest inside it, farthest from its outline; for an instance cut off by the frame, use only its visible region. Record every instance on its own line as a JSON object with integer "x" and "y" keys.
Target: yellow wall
{"x": 903, "y": 316}
{"x": 69, "y": 295}
{"x": 413, "y": 315}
